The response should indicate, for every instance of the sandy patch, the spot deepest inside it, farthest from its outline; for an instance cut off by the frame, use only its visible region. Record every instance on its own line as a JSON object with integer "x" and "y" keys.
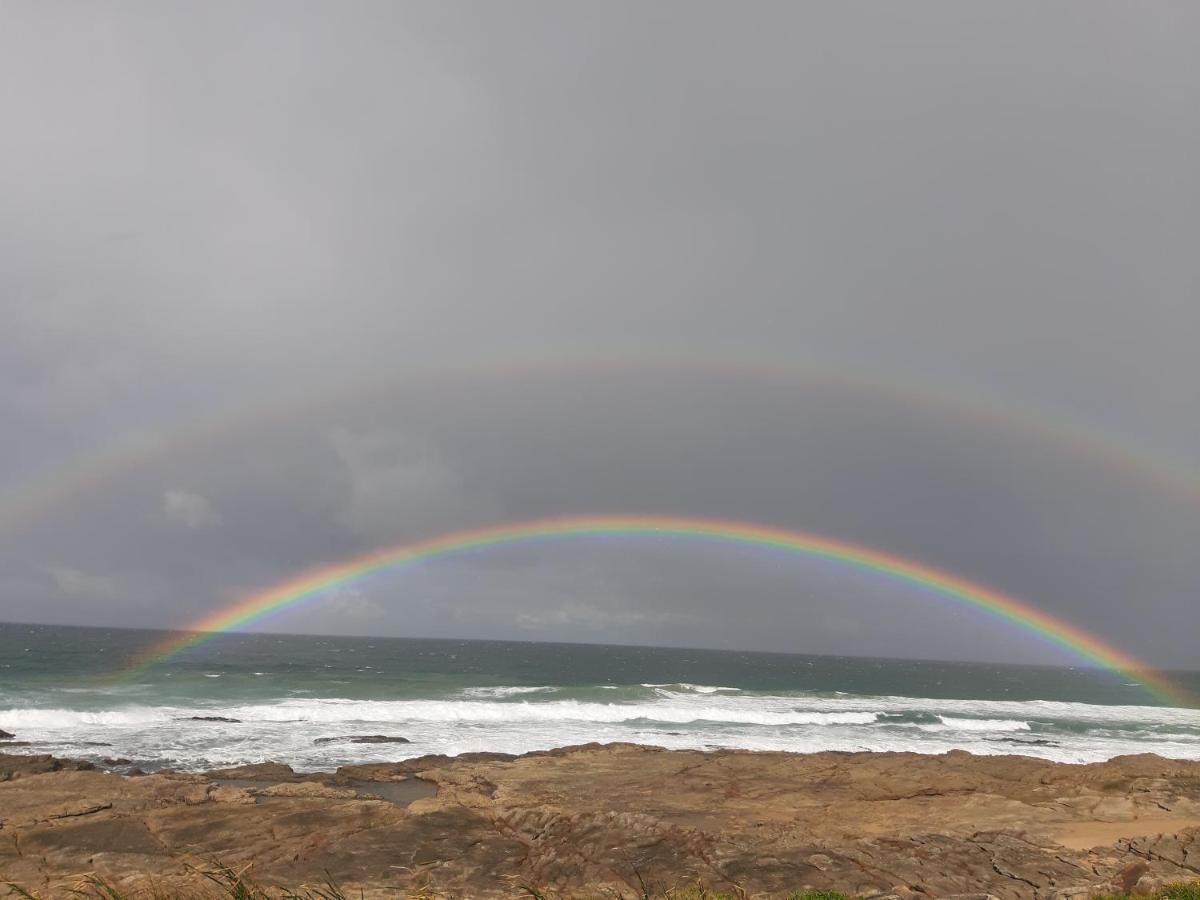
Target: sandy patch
{"x": 1085, "y": 835}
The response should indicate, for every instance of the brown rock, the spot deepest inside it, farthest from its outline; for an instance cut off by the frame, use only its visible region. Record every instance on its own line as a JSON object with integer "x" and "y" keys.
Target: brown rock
{"x": 1127, "y": 878}
{"x": 598, "y": 820}
{"x": 14, "y": 765}
{"x": 226, "y": 793}
{"x": 308, "y": 789}
{"x": 269, "y": 771}
{"x": 406, "y": 767}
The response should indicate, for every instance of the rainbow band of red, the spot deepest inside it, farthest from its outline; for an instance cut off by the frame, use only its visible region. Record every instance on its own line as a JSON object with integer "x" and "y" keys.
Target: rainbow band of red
{"x": 314, "y": 582}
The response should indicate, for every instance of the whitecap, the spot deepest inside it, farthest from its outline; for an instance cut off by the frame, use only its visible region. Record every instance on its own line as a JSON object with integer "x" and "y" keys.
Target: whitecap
{"x": 984, "y": 724}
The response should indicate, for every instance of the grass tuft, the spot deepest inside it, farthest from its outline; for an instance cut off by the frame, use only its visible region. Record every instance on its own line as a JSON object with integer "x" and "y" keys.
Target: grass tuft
{"x": 1178, "y": 891}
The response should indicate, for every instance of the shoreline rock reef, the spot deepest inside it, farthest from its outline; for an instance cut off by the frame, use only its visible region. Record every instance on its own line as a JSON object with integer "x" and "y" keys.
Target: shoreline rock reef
{"x": 610, "y": 820}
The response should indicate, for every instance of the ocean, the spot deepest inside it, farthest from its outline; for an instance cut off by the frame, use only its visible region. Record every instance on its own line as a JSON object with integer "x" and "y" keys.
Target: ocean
{"x": 69, "y": 691}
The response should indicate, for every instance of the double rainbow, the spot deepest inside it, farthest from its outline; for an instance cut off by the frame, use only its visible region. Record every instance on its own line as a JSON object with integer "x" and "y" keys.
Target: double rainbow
{"x": 315, "y": 582}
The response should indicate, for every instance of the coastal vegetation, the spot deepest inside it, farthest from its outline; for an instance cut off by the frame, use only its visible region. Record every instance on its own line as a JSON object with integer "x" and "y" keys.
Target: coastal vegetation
{"x": 1181, "y": 891}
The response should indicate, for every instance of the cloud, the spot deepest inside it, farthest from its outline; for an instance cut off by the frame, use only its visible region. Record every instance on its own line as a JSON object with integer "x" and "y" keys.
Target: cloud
{"x": 190, "y": 510}
{"x": 577, "y": 616}
{"x": 96, "y": 596}
{"x": 78, "y": 585}
{"x": 398, "y": 485}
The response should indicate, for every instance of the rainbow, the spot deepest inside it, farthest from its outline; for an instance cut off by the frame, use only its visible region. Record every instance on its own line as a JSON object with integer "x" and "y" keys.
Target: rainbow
{"x": 41, "y": 494}
{"x": 314, "y": 582}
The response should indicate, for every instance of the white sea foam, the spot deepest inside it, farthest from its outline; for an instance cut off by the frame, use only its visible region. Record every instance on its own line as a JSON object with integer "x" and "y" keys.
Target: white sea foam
{"x": 59, "y": 719}
{"x": 1025, "y": 710}
{"x": 401, "y": 711}
{"x": 984, "y": 724}
{"x": 505, "y": 691}
{"x": 517, "y": 719}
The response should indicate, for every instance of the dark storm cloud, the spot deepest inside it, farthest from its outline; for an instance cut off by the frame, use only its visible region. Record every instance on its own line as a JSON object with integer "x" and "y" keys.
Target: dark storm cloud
{"x": 201, "y": 205}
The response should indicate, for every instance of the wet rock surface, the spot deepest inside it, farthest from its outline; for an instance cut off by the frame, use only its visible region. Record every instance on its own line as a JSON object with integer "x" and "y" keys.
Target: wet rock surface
{"x": 592, "y": 819}
{"x": 363, "y": 739}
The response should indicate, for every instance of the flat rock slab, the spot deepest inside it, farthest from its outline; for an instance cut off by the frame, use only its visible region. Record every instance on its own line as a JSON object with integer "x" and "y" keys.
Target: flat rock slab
{"x": 595, "y": 819}
{"x": 401, "y": 793}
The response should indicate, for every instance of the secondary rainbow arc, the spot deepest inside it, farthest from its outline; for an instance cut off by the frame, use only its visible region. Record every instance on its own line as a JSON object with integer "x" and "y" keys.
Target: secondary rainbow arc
{"x": 314, "y": 582}
{"x": 42, "y": 493}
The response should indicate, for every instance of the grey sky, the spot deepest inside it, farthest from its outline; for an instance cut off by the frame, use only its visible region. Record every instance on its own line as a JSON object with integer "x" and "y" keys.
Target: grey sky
{"x": 209, "y": 206}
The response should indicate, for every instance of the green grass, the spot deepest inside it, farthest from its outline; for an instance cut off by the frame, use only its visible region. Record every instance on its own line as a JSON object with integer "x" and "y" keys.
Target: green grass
{"x": 1181, "y": 891}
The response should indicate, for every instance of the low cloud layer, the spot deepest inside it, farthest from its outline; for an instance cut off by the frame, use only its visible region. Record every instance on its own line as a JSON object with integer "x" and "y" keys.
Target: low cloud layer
{"x": 189, "y": 510}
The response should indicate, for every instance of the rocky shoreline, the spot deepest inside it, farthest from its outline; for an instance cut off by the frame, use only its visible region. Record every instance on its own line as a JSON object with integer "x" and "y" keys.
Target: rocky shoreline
{"x": 605, "y": 818}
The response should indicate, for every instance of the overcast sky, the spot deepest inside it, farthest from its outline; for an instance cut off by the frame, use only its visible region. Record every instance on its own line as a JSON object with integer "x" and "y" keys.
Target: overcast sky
{"x": 225, "y": 209}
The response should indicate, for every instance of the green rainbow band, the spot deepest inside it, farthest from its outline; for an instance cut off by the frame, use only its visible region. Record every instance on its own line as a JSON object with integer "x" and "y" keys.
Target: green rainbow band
{"x": 313, "y": 582}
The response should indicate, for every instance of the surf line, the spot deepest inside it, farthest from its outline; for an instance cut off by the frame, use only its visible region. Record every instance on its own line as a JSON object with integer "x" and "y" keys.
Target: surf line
{"x": 313, "y": 583}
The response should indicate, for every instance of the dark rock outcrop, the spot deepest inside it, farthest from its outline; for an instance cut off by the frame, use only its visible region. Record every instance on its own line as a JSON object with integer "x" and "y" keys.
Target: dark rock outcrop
{"x": 212, "y": 719}
{"x": 364, "y": 739}
{"x": 1028, "y": 742}
{"x": 17, "y": 765}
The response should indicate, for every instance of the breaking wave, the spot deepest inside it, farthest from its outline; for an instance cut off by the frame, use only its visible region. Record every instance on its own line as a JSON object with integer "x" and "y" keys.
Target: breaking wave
{"x": 516, "y": 719}
{"x": 984, "y": 724}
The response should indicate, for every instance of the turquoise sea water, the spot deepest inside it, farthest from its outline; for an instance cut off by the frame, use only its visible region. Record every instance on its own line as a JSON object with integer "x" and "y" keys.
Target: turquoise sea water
{"x": 59, "y": 693}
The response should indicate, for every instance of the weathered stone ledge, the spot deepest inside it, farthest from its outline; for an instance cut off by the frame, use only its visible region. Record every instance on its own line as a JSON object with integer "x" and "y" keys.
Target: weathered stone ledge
{"x": 580, "y": 821}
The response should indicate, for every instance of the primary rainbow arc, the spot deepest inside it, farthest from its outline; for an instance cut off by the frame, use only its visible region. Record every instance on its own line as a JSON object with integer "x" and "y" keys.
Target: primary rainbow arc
{"x": 314, "y": 582}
